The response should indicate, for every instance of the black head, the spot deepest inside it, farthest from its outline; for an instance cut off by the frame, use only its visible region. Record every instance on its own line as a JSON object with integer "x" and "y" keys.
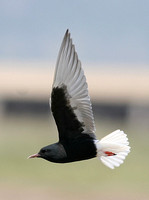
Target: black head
{"x": 45, "y": 152}
{"x": 54, "y": 153}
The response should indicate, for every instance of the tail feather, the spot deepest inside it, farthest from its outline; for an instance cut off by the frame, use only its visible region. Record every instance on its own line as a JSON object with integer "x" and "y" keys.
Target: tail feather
{"x": 113, "y": 149}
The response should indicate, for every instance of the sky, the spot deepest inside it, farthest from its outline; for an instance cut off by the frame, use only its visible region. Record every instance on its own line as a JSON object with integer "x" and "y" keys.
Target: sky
{"x": 111, "y": 31}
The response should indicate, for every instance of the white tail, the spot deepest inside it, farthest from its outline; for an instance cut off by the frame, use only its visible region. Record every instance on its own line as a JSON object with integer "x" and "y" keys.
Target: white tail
{"x": 113, "y": 148}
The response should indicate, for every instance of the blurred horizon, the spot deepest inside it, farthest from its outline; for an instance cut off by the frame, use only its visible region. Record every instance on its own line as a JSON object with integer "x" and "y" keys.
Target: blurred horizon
{"x": 33, "y": 80}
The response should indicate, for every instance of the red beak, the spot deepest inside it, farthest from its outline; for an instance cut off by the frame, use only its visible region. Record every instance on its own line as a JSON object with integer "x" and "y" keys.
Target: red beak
{"x": 34, "y": 156}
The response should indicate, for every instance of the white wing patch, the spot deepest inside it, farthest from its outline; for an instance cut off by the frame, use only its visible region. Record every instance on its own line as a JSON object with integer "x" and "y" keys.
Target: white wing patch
{"x": 70, "y": 73}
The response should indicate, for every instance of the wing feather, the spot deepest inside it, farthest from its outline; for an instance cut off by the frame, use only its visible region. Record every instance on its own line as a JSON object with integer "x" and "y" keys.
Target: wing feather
{"x": 69, "y": 73}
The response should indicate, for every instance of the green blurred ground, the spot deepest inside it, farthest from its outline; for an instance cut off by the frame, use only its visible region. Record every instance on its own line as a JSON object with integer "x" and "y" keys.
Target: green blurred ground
{"x": 38, "y": 179}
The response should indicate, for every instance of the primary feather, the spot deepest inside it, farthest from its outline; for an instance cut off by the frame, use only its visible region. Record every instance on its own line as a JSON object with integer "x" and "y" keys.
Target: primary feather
{"x": 69, "y": 75}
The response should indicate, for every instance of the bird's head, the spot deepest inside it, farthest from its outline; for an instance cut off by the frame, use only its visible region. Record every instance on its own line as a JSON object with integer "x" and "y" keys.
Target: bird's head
{"x": 53, "y": 153}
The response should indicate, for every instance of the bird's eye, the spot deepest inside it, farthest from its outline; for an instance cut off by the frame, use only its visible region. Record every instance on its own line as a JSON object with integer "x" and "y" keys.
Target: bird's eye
{"x": 43, "y": 150}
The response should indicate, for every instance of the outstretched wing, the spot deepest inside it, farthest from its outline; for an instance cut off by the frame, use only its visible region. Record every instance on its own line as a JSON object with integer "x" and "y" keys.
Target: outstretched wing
{"x": 70, "y": 102}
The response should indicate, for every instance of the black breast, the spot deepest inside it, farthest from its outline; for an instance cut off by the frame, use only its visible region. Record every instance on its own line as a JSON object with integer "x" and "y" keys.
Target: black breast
{"x": 80, "y": 148}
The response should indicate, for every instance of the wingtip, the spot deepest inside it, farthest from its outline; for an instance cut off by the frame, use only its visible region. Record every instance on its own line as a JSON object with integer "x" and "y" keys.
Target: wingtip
{"x": 67, "y": 31}
{"x": 67, "y": 35}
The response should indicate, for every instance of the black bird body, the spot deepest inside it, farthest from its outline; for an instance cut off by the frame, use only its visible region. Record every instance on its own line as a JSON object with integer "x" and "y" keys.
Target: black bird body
{"x": 73, "y": 145}
{"x": 72, "y": 111}
{"x": 68, "y": 125}
{"x": 80, "y": 148}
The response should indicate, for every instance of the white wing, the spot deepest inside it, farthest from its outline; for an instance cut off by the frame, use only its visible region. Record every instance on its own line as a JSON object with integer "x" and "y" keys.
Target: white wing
{"x": 69, "y": 73}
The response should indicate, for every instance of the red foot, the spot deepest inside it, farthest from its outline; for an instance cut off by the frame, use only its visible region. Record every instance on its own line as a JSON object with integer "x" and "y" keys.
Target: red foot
{"x": 108, "y": 153}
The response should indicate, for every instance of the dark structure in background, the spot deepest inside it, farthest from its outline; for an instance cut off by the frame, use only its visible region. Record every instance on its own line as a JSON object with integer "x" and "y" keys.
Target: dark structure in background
{"x": 26, "y": 107}
{"x": 111, "y": 111}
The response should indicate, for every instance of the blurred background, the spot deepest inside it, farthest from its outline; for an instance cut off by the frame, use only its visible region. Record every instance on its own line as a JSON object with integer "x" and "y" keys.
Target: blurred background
{"x": 112, "y": 41}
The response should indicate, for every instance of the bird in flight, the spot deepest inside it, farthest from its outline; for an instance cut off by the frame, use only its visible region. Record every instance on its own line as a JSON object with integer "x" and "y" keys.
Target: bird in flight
{"x": 72, "y": 111}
